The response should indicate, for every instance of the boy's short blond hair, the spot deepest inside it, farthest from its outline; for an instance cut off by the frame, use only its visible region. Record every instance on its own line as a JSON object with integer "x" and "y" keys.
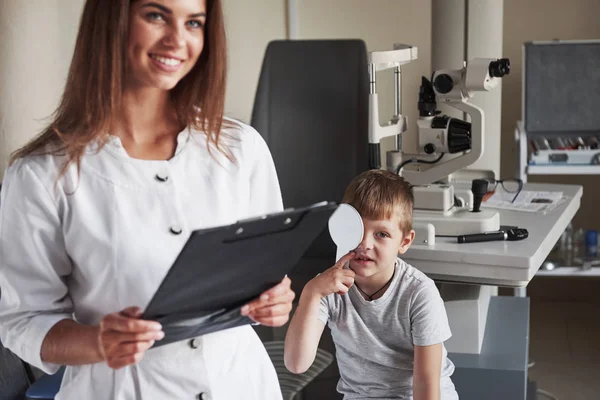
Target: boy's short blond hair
{"x": 378, "y": 194}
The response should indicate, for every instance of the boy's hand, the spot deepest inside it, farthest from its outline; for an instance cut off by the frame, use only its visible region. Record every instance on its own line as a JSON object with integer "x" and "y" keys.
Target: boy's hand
{"x": 336, "y": 279}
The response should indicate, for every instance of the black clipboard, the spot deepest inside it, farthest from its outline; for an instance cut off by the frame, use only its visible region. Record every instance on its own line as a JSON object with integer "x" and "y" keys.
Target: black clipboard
{"x": 221, "y": 269}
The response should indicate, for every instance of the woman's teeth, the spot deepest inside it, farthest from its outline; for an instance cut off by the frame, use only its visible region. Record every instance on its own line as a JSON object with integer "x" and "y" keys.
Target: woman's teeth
{"x": 166, "y": 61}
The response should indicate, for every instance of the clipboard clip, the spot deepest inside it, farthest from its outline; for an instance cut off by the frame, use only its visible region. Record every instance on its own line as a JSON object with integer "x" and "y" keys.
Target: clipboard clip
{"x": 261, "y": 226}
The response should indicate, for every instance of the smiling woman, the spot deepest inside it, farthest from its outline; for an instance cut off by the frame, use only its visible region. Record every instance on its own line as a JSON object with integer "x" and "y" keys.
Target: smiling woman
{"x": 163, "y": 40}
{"x": 100, "y": 204}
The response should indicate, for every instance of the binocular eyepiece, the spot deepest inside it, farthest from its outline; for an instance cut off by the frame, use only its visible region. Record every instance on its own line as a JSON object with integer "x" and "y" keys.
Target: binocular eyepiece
{"x": 499, "y": 68}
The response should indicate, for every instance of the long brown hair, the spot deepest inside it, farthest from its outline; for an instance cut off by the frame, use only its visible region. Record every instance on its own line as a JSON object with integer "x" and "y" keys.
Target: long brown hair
{"x": 96, "y": 75}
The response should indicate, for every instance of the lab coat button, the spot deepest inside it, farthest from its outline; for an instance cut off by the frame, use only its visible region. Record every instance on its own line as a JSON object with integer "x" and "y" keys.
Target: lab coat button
{"x": 195, "y": 343}
{"x": 175, "y": 230}
{"x": 203, "y": 396}
{"x": 162, "y": 177}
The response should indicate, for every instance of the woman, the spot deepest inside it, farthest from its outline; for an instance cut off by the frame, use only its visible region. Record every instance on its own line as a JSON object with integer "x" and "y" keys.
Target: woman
{"x": 96, "y": 209}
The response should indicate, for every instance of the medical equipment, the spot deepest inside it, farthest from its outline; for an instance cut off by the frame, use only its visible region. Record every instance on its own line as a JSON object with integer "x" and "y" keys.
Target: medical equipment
{"x": 378, "y": 61}
{"x": 559, "y": 133}
{"x": 508, "y": 234}
{"x": 346, "y": 229}
{"x": 435, "y": 204}
{"x": 479, "y": 187}
{"x": 440, "y": 134}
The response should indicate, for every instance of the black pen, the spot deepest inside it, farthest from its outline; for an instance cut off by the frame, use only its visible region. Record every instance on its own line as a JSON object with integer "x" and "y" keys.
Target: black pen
{"x": 483, "y": 237}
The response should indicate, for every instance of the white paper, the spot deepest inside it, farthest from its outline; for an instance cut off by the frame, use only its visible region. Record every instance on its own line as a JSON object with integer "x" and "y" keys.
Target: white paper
{"x": 527, "y": 201}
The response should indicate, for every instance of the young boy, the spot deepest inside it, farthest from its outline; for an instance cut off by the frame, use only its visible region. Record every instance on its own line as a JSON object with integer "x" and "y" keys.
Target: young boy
{"x": 387, "y": 319}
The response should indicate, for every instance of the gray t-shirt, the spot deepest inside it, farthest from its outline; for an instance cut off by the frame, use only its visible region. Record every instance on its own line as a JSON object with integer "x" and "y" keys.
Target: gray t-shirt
{"x": 374, "y": 340}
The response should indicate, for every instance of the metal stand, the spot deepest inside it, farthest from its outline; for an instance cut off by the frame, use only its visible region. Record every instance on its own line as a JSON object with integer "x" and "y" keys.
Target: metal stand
{"x": 499, "y": 372}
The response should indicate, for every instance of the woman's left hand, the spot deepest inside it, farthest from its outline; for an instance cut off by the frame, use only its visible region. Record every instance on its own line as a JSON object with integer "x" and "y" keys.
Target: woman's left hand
{"x": 273, "y": 307}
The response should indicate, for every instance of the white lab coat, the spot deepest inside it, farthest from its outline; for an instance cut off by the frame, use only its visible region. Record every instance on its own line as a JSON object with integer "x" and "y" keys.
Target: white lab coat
{"x": 91, "y": 246}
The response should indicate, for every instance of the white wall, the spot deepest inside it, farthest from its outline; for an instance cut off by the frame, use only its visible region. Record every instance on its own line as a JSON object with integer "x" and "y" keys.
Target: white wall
{"x": 250, "y": 26}
{"x": 36, "y": 42}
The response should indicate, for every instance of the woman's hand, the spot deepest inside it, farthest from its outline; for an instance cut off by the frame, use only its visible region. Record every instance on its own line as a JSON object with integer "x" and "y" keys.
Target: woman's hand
{"x": 124, "y": 337}
{"x": 336, "y": 279}
{"x": 273, "y": 307}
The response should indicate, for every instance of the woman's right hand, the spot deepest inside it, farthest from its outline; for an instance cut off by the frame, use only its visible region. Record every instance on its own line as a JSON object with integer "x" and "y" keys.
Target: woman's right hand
{"x": 336, "y": 279}
{"x": 124, "y": 338}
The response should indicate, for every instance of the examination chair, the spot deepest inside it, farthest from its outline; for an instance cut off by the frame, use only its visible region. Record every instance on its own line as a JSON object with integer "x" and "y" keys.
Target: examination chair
{"x": 311, "y": 107}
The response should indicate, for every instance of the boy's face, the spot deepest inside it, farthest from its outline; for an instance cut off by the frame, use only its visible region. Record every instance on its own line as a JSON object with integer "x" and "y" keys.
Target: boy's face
{"x": 382, "y": 242}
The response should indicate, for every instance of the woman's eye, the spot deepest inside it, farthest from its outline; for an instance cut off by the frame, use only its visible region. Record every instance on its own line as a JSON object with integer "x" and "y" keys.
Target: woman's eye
{"x": 195, "y": 24}
{"x": 154, "y": 16}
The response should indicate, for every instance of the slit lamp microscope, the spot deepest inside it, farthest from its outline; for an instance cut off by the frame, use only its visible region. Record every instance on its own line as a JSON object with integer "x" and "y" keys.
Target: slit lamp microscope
{"x": 439, "y": 208}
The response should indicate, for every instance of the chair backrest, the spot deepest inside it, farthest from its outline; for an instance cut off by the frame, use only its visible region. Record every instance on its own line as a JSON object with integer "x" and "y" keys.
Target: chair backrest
{"x": 291, "y": 383}
{"x": 311, "y": 107}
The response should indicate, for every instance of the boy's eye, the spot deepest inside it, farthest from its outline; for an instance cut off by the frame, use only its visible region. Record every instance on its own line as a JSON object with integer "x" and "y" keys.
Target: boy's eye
{"x": 382, "y": 234}
{"x": 195, "y": 24}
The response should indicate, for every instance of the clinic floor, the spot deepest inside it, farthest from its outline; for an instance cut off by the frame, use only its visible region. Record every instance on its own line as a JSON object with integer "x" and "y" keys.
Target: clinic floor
{"x": 565, "y": 337}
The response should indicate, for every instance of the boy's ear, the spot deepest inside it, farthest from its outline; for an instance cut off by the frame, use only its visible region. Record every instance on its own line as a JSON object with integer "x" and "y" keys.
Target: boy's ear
{"x": 406, "y": 242}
